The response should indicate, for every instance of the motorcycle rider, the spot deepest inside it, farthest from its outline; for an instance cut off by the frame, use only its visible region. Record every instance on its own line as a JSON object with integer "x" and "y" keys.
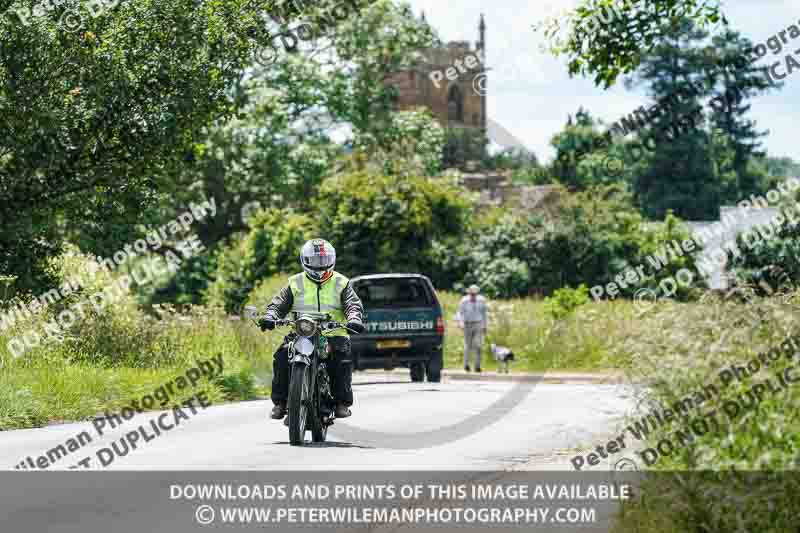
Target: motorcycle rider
{"x": 318, "y": 289}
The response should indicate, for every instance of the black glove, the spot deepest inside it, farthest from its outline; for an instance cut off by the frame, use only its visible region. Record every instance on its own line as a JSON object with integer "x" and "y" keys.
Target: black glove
{"x": 266, "y": 322}
{"x": 356, "y": 325}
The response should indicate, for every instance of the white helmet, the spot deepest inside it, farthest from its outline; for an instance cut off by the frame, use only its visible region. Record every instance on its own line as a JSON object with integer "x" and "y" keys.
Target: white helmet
{"x": 318, "y": 258}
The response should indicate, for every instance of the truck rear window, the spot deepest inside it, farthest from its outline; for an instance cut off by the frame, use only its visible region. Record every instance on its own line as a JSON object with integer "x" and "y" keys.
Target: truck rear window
{"x": 402, "y": 292}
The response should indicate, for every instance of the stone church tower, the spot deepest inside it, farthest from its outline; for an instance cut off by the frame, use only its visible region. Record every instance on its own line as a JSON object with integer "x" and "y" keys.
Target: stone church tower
{"x": 455, "y": 104}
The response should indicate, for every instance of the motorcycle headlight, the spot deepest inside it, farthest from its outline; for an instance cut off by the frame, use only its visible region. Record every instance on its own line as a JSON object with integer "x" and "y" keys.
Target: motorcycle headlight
{"x": 304, "y": 346}
{"x": 306, "y": 327}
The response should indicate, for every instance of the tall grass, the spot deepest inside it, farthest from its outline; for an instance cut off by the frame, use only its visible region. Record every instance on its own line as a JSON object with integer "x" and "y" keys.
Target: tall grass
{"x": 681, "y": 348}
{"x": 582, "y": 341}
{"x": 119, "y": 354}
{"x": 64, "y": 381}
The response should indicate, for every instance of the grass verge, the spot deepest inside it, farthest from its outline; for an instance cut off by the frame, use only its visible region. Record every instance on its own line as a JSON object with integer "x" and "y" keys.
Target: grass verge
{"x": 726, "y": 461}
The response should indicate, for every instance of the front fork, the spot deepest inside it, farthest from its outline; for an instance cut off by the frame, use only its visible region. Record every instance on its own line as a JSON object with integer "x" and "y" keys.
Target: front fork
{"x": 320, "y": 385}
{"x": 321, "y": 394}
{"x": 324, "y": 394}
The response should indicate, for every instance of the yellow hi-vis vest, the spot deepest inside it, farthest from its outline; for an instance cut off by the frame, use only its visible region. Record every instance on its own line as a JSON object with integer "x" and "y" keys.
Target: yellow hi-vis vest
{"x": 326, "y": 297}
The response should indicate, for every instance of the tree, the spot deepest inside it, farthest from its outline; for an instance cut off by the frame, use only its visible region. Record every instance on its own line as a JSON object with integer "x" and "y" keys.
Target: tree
{"x": 680, "y": 175}
{"x": 90, "y": 116}
{"x": 258, "y": 159}
{"x": 364, "y": 52}
{"x": 591, "y": 237}
{"x": 607, "y": 38}
{"x": 374, "y": 220}
{"x": 278, "y": 147}
{"x": 597, "y": 235}
{"x": 121, "y": 124}
{"x": 729, "y": 109}
{"x": 463, "y": 145}
{"x": 571, "y": 167}
{"x": 411, "y": 143}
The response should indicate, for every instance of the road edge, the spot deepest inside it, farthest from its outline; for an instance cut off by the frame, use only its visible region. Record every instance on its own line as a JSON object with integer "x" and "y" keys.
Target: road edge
{"x": 526, "y": 377}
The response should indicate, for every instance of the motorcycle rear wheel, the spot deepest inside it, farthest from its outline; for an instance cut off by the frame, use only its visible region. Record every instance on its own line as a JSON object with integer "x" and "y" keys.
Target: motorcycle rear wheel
{"x": 299, "y": 399}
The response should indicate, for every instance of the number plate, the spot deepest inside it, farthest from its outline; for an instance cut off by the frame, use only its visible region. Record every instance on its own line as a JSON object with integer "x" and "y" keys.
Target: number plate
{"x": 386, "y": 345}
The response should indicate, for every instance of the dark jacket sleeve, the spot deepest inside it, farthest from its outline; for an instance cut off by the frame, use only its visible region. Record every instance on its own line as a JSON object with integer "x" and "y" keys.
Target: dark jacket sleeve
{"x": 282, "y": 303}
{"x": 351, "y": 304}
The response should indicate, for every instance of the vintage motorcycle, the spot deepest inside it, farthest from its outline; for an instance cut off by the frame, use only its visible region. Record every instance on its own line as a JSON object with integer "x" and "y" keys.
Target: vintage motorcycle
{"x": 311, "y": 403}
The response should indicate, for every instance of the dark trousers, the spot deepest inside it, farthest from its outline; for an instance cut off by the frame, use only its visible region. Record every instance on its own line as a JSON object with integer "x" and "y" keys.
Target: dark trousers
{"x": 338, "y": 363}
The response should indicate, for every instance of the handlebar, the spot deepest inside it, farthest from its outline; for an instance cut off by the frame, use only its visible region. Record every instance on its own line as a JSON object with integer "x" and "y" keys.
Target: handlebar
{"x": 324, "y": 325}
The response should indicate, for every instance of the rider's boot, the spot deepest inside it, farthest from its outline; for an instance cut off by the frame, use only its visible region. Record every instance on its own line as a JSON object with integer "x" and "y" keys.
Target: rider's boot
{"x": 279, "y": 411}
{"x": 342, "y": 411}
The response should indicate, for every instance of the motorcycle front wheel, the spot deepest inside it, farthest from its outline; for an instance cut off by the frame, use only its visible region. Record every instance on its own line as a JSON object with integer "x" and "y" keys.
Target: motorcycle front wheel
{"x": 299, "y": 400}
{"x": 319, "y": 430}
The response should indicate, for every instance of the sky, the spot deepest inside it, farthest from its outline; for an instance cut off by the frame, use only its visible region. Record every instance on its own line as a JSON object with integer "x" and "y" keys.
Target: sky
{"x": 530, "y": 92}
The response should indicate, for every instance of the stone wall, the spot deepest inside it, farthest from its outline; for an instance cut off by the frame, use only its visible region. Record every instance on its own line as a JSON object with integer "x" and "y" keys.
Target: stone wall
{"x": 497, "y": 189}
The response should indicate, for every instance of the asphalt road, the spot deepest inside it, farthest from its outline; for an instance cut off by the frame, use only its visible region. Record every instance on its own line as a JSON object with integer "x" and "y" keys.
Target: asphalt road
{"x": 397, "y": 425}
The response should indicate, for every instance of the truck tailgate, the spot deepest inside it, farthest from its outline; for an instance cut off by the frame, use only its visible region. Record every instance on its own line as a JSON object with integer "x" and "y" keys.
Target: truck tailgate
{"x": 394, "y": 323}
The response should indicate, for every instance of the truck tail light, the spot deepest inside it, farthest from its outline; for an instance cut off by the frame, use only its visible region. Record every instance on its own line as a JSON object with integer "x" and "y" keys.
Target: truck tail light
{"x": 440, "y": 326}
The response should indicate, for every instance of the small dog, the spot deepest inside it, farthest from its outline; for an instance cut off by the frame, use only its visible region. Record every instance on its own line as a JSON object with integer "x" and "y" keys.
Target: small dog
{"x": 502, "y": 355}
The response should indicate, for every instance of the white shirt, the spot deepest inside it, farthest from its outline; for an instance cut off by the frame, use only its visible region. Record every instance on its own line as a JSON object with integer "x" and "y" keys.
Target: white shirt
{"x": 469, "y": 311}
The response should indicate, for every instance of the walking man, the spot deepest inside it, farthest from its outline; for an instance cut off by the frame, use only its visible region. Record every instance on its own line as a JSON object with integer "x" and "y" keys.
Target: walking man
{"x": 471, "y": 317}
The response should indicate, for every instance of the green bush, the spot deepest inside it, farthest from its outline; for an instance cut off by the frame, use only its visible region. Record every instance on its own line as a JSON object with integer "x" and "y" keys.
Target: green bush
{"x": 565, "y": 300}
{"x": 272, "y": 245}
{"x": 771, "y": 264}
{"x": 380, "y": 223}
{"x": 498, "y": 254}
{"x": 597, "y": 235}
{"x": 502, "y": 276}
{"x": 239, "y": 386}
{"x": 588, "y": 239}
{"x": 187, "y": 285}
